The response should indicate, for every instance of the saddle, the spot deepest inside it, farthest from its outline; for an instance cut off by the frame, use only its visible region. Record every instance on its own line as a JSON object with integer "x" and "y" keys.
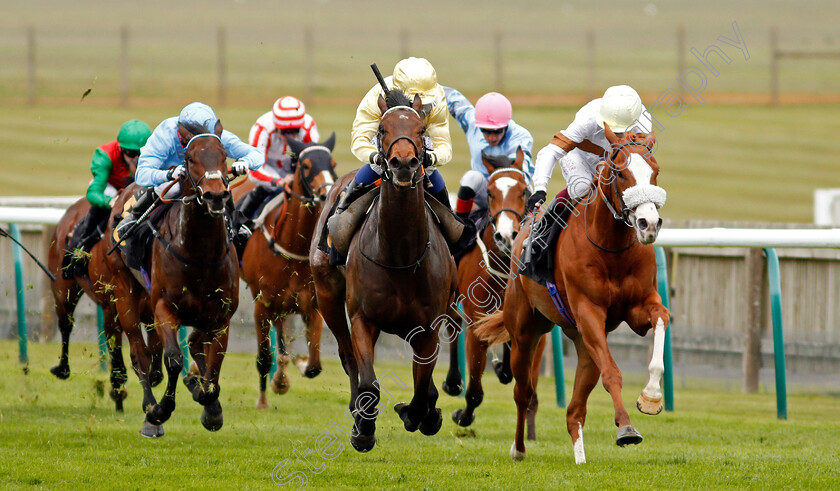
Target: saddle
{"x": 537, "y": 262}
{"x": 135, "y": 249}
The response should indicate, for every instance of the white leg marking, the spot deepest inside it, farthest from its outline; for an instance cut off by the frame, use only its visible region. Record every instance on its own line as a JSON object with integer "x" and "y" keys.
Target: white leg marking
{"x": 580, "y": 456}
{"x": 657, "y": 365}
{"x": 516, "y": 455}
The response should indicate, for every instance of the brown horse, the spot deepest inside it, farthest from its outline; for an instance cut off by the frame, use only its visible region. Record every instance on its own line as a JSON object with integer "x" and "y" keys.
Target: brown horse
{"x": 193, "y": 282}
{"x": 482, "y": 276}
{"x": 605, "y": 274}
{"x": 275, "y": 263}
{"x": 400, "y": 279}
{"x": 68, "y": 292}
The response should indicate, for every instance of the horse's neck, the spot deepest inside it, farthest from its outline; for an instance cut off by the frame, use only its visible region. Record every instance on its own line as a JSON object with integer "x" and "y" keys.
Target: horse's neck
{"x": 199, "y": 232}
{"x": 299, "y": 223}
{"x": 402, "y": 227}
{"x": 602, "y": 227}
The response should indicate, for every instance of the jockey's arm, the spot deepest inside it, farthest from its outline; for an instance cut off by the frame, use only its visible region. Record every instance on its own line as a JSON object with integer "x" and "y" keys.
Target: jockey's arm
{"x": 366, "y": 125}
{"x": 154, "y": 155}
{"x": 239, "y": 150}
{"x": 437, "y": 128}
{"x": 100, "y": 167}
{"x": 521, "y": 138}
{"x": 460, "y": 108}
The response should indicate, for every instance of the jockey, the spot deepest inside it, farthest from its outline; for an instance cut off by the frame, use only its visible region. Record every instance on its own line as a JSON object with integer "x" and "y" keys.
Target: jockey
{"x": 411, "y": 76}
{"x": 579, "y": 148}
{"x": 113, "y": 167}
{"x": 287, "y": 119}
{"x": 490, "y": 133}
{"x": 162, "y": 159}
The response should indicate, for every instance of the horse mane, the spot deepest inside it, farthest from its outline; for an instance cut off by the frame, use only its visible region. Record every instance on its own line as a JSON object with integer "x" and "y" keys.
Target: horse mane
{"x": 396, "y": 98}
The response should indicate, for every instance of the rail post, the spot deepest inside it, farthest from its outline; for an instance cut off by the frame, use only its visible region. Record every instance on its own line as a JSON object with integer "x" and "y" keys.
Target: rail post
{"x": 557, "y": 353}
{"x": 778, "y": 337}
{"x": 23, "y": 354}
{"x": 103, "y": 342}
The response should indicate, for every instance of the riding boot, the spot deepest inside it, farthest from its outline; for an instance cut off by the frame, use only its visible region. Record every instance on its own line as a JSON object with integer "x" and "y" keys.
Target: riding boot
{"x": 352, "y": 192}
{"x": 464, "y": 204}
{"x": 86, "y": 233}
{"x": 249, "y": 205}
{"x": 134, "y": 249}
{"x": 460, "y": 246}
{"x": 532, "y": 262}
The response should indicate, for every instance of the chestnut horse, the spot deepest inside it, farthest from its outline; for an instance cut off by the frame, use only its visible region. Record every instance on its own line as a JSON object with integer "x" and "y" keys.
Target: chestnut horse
{"x": 193, "y": 282}
{"x": 605, "y": 275}
{"x": 275, "y": 263}
{"x": 68, "y": 292}
{"x": 400, "y": 279}
{"x": 482, "y": 275}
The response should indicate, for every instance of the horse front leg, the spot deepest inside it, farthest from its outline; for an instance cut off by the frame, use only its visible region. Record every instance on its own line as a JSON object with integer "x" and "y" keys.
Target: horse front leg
{"x": 365, "y": 407}
{"x": 207, "y": 393}
{"x": 421, "y": 411}
{"x": 119, "y": 375}
{"x": 656, "y": 316}
{"x": 263, "y": 327}
{"x": 167, "y": 324}
{"x": 531, "y": 416}
{"x": 592, "y": 320}
{"x": 586, "y": 378}
{"x": 66, "y": 300}
{"x": 331, "y": 306}
{"x": 453, "y": 384}
{"x": 314, "y": 326}
{"x": 476, "y": 352}
{"x": 280, "y": 383}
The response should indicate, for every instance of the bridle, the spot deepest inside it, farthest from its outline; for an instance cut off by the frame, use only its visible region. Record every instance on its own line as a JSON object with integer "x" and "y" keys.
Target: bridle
{"x": 310, "y": 196}
{"x": 385, "y": 153}
{"x": 208, "y": 175}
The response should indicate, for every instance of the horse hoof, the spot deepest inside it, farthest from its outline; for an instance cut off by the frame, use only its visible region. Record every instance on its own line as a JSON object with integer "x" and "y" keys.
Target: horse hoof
{"x": 515, "y": 454}
{"x": 120, "y": 394}
{"x": 60, "y": 371}
{"x": 150, "y": 430}
{"x": 460, "y": 420}
{"x": 432, "y": 422}
{"x": 649, "y": 405}
{"x": 312, "y": 372}
{"x": 401, "y": 409}
{"x": 627, "y": 435}
{"x": 211, "y": 417}
{"x": 280, "y": 383}
{"x": 454, "y": 390}
{"x": 363, "y": 443}
{"x": 504, "y": 374}
{"x": 262, "y": 401}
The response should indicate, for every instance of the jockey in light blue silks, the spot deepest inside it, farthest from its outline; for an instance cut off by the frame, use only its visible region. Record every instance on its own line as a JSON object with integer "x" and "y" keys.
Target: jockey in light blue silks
{"x": 491, "y": 132}
{"x": 162, "y": 158}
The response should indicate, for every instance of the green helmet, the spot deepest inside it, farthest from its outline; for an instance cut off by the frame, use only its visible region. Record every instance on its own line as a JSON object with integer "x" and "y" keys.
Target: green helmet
{"x": 133, "y": 134}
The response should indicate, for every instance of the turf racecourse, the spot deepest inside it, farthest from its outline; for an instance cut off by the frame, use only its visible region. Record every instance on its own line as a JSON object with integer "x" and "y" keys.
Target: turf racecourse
{"x": 66, "y": 434}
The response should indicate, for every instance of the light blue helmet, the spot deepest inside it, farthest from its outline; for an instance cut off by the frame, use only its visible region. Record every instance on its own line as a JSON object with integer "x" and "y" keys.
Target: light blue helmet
{"x": 198, "y": 113}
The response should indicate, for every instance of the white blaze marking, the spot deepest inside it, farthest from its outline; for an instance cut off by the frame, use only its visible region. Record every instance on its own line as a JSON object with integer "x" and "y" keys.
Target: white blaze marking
{"x": 640, "y": 169}
{"x": 505, "y": 224}
{"x": 580, "y": 456}
{"x": 504, "y": 184}
{"x": 657, "y": 365}
{"x": 327, "y": 177}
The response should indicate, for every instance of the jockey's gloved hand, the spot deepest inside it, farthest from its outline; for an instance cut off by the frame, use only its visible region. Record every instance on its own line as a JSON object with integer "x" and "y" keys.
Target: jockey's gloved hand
{"x": 535, "y": 200}
{"x": 175, "y": 172}
{"x": 239, "y": 168}
{"x": 429, "y": 159}
{"x": 377, "y": 162}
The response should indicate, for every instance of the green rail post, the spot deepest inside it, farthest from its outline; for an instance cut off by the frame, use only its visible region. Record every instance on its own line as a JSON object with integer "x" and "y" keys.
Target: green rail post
{"x": 778, "y": 337}
{"x": 559, "y": 380}
{"x": 272, "y": 343}
{"x": 103, "y": 343}
{"x": 662, "y": 284}
{"x": 23, "y": 354}
{"x": 462, "y": 360}
{"x": 185, "y": 350}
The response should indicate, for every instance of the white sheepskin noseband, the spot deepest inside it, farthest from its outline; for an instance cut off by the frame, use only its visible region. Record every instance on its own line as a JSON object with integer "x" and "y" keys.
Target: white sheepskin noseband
{"x": 644, "y": 193}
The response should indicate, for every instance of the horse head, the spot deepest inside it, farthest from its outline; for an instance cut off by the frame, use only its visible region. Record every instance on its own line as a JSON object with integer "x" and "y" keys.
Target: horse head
{"x": 315, "y": 168}
{"x": 401, "y": 142}
{"x": 205, "y": 162}
{"x": 631, "y": 171}
{"x": 507, "y": 192}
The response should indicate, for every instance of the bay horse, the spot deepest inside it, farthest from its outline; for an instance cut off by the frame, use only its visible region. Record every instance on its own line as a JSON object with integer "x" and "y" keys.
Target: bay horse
{"x": 400, "y": 278}
{"x": 97, "y": 286}
{"x": 605, "y": 274}
{"x": 193, "y": 281}
{"x": 275, "y": 264}
{"x": 482, "y": 275}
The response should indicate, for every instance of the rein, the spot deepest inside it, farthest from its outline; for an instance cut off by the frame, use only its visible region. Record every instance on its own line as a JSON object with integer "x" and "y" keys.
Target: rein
{"x": 415, "y": 264}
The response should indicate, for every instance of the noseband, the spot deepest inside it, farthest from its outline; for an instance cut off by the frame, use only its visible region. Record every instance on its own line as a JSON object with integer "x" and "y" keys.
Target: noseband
{"x": 208, "y": 175}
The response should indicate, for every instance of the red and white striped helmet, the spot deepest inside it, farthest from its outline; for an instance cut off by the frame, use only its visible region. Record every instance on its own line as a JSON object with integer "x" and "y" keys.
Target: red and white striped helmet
{"x": 288, "y": 113}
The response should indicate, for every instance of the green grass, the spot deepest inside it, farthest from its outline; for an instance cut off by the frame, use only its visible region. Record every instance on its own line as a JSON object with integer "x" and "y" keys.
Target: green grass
{"x": 66, "y": 434}
{"x": 718, "y": 162}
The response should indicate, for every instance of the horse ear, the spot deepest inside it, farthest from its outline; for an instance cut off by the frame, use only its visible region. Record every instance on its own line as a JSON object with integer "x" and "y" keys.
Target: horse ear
{"x": 487, "y": 164}
{"x": 383, "y": 106}
{"x": 417, "y": 103}
{"x": 218, "y": 129}
{"x": 608, "y": 132}
{"x": 295, "y": 145}
{"x": 520, "y": 158}
{"x": 330, "y": 143}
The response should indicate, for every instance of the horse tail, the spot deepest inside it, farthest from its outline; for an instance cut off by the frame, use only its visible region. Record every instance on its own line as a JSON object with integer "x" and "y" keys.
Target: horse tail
{"x": 491, "y": 328}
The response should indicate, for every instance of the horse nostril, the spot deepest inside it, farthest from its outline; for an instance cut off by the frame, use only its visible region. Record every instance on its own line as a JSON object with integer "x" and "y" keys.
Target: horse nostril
{"x": 643, "y": 224}
{"x": 513, "y": 235}
{"x": 497, "y": 236}
{"x": 659, "y": 224}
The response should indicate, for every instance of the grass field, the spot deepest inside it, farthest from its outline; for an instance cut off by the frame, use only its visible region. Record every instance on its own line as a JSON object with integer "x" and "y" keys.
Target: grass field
{"x": 66, "y": 434}
{"x": 718, "y": 162}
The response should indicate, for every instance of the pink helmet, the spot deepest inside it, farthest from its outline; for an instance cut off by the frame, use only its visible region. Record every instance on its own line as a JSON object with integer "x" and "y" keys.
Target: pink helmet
{"x": 493, "y": 111}
{"x": 288, "y": 113}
